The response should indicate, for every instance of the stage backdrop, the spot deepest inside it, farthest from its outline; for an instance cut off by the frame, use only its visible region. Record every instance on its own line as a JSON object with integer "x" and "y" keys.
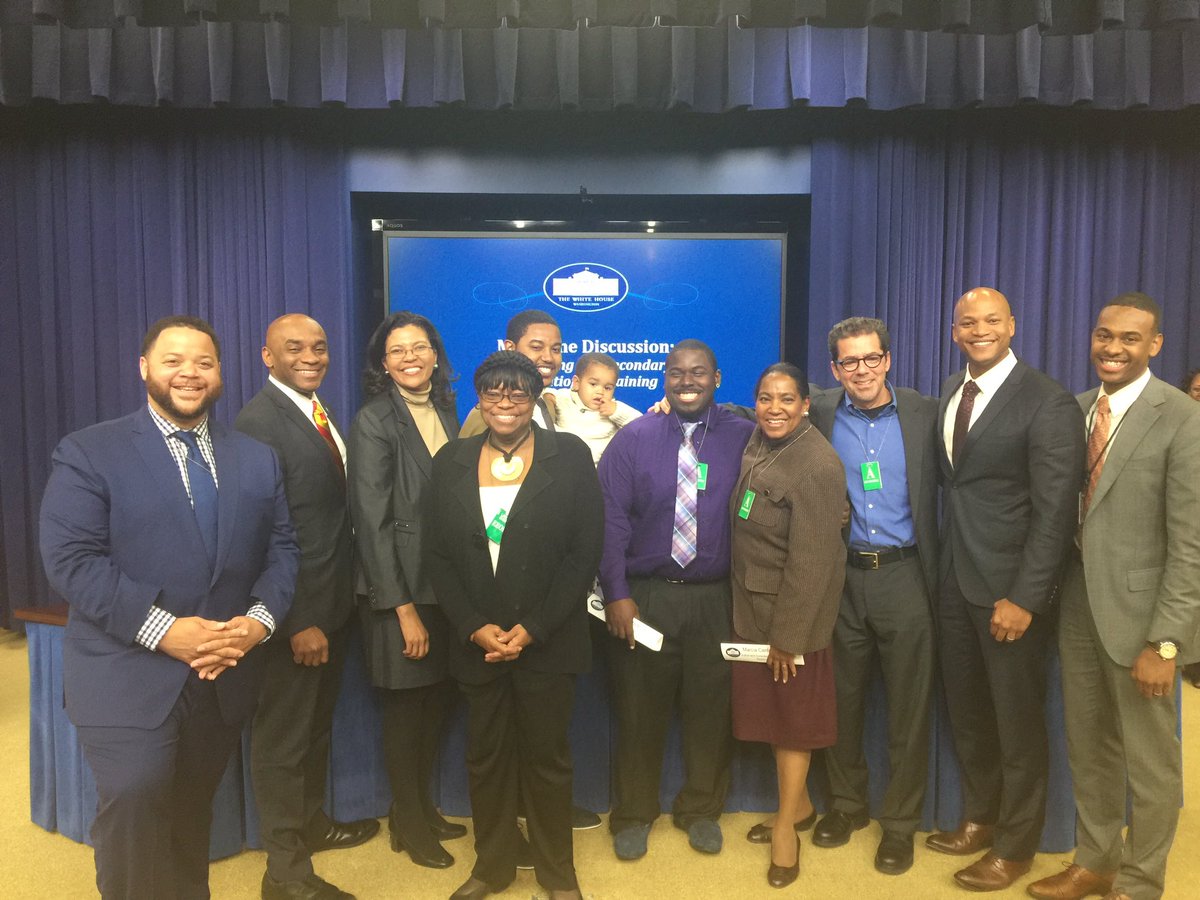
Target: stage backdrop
{"x": 632, "y": 296}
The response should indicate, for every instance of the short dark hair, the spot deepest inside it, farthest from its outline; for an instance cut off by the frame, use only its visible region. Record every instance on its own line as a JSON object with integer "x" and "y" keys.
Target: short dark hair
{"x": 510, "y": 369}
{"x": 587, "y": 360}
{"x": 1138, "y": 300}
{"x": 791, "y": 371}
{"x": 693, "y": 344}
{"x": 520, "y": 323}
{"x": 376, "y": 380}
{"x": 1189, "y": 378}
{"x": 191, "y": 322}
{"x": 856, "y": 326}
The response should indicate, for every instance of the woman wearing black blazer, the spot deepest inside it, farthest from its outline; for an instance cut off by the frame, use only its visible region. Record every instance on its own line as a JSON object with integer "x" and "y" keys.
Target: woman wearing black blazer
{"x": 516, "y": 525}
{"x": 408, "y": 417}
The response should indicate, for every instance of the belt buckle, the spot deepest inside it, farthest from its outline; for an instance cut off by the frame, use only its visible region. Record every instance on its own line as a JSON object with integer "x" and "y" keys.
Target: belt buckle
{"x": 872, "y": 555}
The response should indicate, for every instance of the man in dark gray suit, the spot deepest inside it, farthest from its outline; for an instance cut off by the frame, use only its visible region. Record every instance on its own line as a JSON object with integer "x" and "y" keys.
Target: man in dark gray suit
{"x": 1011, "y": 454}
{"x": 885, "y": 438}
{"x": 1130, "y": 611}
{"x": 290, "y": 741}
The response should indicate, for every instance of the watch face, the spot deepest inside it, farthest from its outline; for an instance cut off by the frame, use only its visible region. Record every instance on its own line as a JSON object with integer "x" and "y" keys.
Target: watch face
{"x": 1167, "y": 649}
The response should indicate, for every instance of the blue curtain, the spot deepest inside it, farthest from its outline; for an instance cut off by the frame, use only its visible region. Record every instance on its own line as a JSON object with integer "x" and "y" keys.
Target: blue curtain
{"x": 103, "y": 232}
{"x": 1059, "y": 220}
{"x": 276, "y": 61}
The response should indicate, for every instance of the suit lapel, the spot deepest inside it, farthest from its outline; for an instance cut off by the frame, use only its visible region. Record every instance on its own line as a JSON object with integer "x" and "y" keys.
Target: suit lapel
{"x": 952, "y": 384}
{"x": 544, "y": 447}
{"x": 229, "y": 489}
{"x": 410, "y": 435}
{"x": 302, "y": 425}
{"x": 914, "y": 455}
{"x": 165, "y": 473}
{"x": 1138, "y": 420}
{"x": 1003, "y": 396}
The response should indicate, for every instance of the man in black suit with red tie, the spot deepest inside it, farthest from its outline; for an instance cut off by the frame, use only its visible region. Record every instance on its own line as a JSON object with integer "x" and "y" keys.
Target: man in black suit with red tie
{"x": 1013, "y": 448}
{"x": 290, "y": 740}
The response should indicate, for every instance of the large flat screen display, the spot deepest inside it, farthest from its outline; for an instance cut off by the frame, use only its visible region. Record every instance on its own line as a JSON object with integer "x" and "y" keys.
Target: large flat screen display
{"x": 632, "y": 296}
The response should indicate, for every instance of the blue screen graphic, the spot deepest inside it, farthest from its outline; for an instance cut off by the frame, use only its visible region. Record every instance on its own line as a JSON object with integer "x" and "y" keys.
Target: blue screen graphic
{"x": 631, "y": 296}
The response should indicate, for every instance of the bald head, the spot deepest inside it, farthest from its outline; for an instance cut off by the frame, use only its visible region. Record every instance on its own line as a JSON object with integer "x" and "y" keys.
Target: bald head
{"x": 983, "y": 328}
{"x": 297, "y": 352}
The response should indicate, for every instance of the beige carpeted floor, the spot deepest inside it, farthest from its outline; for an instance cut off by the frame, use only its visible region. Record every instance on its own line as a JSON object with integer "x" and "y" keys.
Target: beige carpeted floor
{"x": 36, "y": 864}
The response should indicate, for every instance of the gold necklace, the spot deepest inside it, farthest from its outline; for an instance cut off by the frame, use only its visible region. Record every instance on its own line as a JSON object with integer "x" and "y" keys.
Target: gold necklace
{"x": 508, "y": 466}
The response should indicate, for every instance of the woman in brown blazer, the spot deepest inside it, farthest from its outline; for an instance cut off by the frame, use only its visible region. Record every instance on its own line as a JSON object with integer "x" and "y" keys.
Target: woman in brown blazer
{"x": 788, "y": 566}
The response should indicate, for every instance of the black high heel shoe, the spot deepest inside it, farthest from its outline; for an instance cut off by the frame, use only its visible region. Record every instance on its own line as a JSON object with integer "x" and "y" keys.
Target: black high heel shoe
{"x": 434, "y": 857}
{"x": 443, "y": 830}
{"x": 761, "y": 833}
{"x": 782, "y": 876}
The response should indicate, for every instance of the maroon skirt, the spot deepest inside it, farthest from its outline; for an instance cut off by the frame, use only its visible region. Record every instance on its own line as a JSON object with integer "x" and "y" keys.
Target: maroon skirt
{"x": 799, "y": 715}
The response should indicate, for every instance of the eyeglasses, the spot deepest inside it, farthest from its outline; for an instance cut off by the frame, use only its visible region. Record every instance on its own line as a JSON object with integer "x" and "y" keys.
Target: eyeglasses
{"x": 871, "y": 361}
{"x": 516, "y": 398}
{"x": 400, "y": 351}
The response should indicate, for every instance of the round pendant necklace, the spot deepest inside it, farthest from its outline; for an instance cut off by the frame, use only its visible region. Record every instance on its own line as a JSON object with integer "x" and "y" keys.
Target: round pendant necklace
{"x": 508, "y": 466}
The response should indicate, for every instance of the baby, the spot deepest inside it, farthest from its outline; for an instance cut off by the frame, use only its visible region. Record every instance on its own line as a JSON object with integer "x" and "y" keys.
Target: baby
{"x": 588, "y": 409}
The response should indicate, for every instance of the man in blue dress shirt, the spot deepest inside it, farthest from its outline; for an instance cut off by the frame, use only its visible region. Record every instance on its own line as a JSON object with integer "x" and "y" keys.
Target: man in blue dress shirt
{"x": 666, "y": 562}
{"x": 885, "y": 438}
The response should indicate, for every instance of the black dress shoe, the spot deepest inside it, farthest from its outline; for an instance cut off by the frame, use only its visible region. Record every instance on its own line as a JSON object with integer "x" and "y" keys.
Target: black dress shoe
{"x": 443, "y": 830}
{"x": 782, "y": 876}
{"x": 472, "y": 889}
{"x": 761, "y": 833}
{"x": 837, "y": 826}
{"x": 311, "y": 887}
{"x": 895, "y": 853}
{"x": 583, "y": 819}
{"x": 340, "y": 835}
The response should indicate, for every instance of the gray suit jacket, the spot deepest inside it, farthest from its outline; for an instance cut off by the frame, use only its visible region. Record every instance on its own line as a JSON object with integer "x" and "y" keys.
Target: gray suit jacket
{"x": 1141, "y": 536}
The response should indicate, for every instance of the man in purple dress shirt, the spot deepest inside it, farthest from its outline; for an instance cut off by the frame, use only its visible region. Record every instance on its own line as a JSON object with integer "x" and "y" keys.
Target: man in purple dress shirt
{"x": 680, "y": 586}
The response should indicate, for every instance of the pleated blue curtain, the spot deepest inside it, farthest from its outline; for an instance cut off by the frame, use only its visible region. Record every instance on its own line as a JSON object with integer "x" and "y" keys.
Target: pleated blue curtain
{"x": 903, "y": 224}
{"x": 260, "y": 64}
{"x": 102, "y": 233}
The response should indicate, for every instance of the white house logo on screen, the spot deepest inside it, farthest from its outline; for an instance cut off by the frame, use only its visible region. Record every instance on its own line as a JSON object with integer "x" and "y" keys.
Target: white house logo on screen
{"x": 585, "y": 287}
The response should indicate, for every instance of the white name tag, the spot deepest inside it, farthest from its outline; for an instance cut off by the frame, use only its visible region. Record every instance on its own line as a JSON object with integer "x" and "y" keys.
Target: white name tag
{"x": 751, "y": 653}
{"x": 650, "y": 638}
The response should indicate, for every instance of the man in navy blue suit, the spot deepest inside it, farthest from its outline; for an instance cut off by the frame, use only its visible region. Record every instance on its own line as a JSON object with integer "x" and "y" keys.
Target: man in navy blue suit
{"x": 169, "y": 537}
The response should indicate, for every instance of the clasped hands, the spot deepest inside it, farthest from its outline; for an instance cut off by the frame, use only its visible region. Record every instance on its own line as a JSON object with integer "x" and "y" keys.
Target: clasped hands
{"x": 210, "y": 647}
{"x": 499, "y": 645}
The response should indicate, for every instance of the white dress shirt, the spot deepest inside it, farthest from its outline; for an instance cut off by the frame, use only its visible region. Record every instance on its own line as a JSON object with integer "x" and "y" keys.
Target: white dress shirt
{"x": 989, "y": 382}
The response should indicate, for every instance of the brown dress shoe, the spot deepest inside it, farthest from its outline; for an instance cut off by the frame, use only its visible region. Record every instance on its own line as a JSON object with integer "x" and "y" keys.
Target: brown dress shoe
{"x": 1071, "y": 884}
{"x": 991, "y": 873}
{"x": 969, "y": 839}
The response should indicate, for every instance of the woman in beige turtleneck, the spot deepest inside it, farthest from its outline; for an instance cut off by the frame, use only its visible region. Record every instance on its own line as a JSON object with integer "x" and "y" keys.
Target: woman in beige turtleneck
{"x": 407, "y": 418}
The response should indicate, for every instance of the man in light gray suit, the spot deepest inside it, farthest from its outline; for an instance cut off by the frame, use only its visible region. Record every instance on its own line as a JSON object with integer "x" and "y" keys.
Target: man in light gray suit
{"x": 1130, "y": 611}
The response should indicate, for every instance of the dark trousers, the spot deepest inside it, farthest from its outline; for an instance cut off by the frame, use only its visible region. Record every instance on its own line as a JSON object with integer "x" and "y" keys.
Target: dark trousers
{"x": 412, "y": 736}
{"x": 289, "y": 751}
{"x": 154, "y": 798}
{"x": 688, "y": 673}
{"x": 517, "y": 747}
{"x": 884, "y": 616}
{"x": 996, "y": 695}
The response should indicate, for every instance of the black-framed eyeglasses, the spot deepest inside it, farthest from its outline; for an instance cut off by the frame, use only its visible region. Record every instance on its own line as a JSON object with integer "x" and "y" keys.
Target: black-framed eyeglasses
{"x": 516, "y": 398}
{"x": 871, "y": 361}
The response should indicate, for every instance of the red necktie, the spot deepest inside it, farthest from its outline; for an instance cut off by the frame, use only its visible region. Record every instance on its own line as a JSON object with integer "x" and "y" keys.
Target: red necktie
{"x": 322, "y": 422}
{"x": 962, "y": 419}
{"x": 1097, "y": 441}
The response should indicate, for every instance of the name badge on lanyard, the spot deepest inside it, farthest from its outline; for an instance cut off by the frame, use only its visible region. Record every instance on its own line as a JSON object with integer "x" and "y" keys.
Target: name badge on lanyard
{"x": 701, "y": 476}
{"x": 747, "y": 502}
{"x": 872, "y": 479}
{"x": 495, "y": 529}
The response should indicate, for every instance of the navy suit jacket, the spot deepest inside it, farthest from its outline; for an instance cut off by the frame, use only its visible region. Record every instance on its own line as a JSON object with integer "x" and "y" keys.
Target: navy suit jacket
{"x": 118, "y": 536}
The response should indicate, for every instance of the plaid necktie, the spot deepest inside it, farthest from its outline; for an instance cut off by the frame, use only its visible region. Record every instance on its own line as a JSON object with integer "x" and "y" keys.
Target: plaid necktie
{"x": 683, "y": 535}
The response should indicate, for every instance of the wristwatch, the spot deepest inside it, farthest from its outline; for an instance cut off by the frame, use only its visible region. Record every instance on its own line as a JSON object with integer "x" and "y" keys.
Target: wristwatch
{"x": 1166, "y": 650}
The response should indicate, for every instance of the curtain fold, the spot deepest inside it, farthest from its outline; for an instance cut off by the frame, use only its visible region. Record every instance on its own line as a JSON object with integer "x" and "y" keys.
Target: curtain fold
{"x": 902, "y": 225}
{"x": 103, "y": 233}
{"x": 707, "y": 69}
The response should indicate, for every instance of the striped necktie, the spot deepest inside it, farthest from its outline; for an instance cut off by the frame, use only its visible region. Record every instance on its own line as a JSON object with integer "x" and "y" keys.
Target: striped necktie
{"x": 683, "y": 535}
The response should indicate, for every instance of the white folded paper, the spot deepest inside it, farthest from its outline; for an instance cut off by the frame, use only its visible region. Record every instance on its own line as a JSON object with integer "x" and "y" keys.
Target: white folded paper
{"x": 751, "y": 653}
{"x": 650, "y": 638}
